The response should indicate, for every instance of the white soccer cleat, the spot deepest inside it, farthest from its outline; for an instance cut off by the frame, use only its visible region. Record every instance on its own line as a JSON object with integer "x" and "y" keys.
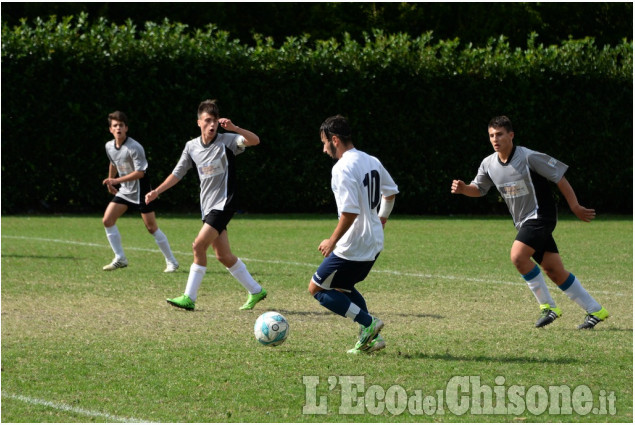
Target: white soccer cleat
{"x": 171, "y": 267}
{"x": 116, "y": 264}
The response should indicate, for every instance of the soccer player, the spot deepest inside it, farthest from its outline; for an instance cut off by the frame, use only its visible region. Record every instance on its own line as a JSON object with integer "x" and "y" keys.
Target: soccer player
{"x": 522, "y": 177}
{"x": 128, "y": 160}
{"x": 213, "y": 154}
{"x": 365, "y": 195}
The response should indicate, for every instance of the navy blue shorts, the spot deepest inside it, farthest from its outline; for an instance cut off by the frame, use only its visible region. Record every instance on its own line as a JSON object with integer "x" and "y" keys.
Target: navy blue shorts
{"x": 218, "y": 219}
{"x": 338, "y": 273}
{"x": 538, "y": 235}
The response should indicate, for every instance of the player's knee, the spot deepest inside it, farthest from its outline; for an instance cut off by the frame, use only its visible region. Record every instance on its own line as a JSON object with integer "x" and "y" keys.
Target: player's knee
{"x": 108, "y": 222}
{"x": 313, "y": 288}
{"x": 152, "y": 228}
{"x": 227, "y": 260}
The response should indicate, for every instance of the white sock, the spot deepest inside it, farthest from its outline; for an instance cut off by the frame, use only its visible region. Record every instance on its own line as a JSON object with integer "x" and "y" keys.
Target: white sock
{"x": 239, "y": 271}
{"x": 194, "y": 280}
{"x": 164, "y": 246}
{"x": 114, "y": 238}
{"x": 536, "y": 282}
{"x": 574, "y": 290}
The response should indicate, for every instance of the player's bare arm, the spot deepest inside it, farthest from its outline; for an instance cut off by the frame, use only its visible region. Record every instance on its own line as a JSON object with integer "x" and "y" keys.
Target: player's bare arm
{"x": 584, "y": 214}
{"x": 251, "y": 139}
{"x": 328, "y": 245}
{"x": 135, "y": 175}
{"x": 460, "y": 188}
{"x": 170, "y": 181}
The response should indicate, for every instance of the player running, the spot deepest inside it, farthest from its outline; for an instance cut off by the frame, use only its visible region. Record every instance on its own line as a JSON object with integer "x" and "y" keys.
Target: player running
{"x": 522, "y": 177}
{"x": 128, "y": 160}
{"x": 213, "y": 155}
{"x": 365, "y": 195}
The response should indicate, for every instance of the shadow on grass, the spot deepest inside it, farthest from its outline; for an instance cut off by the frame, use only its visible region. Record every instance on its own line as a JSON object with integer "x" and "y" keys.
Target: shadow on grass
{"x": 40, "y": 257}
{"x": 487, "y": 359}
{"x": 324, "y": 312}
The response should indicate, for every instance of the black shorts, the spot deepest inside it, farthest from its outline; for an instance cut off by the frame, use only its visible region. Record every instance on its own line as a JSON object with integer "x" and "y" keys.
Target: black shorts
{"x": 218, "y": 219}
{"x": 144, "y": 187}
{"x": 538, "y": 235}
{"x": 338, "y": 273}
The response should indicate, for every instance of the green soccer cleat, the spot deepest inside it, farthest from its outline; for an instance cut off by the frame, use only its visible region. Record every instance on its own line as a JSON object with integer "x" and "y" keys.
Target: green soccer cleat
{"x": 183, "y": 302}
{"x": 376, "y": 344}
{"x": 593, "y": 319}
{"x": 548, "y": 315}
{"x": 254, "y": 299}
{"x": 369, "y": 333}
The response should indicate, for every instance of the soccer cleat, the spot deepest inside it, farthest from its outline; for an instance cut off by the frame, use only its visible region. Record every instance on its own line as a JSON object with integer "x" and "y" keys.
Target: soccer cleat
{"x": 254, "y": 299}
{"x": 593, "y": 319}
{"x": 171, "y": 267}
{"x": 369, "y": 333}
{"x": 548, "y": 315}
{"x": 116, "y": 264}
{"x": 183, "y": 302}
{"x": 376, "y": 344}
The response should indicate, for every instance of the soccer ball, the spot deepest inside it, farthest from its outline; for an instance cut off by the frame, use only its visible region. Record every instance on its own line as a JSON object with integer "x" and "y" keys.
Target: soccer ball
{"x": 271, "y": 328}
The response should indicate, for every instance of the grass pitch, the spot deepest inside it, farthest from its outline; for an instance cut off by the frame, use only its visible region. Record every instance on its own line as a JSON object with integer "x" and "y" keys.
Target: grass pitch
{"x": 83, "y": 345}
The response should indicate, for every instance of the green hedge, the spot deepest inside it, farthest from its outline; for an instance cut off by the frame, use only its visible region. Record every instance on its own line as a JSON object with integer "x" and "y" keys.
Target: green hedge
{"x": 420, "y": 105}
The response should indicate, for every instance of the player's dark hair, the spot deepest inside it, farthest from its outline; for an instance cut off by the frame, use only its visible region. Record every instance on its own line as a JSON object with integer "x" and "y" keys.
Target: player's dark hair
{"x": 501, "y": 122}
{"x": 210, "y": 106}
{"x": 117, "y": 116}
{"x": 338, "y": 126}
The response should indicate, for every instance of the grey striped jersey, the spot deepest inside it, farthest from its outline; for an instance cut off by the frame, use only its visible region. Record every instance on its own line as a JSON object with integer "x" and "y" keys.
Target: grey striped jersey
{"x": 129, "y": 157}
{"x": 216, "y": 170}
{"x": 523, "y": 182}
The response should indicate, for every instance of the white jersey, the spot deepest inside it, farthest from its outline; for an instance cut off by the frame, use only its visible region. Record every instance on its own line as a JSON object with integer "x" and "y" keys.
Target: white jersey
{"x": 129, "y": 157}
{"x": 215, "y": 166}
{"x": 358, "y": 181}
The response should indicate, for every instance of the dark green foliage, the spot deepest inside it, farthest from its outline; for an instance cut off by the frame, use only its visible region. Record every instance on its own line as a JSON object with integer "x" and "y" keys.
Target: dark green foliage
{"x": 421, "y": 106}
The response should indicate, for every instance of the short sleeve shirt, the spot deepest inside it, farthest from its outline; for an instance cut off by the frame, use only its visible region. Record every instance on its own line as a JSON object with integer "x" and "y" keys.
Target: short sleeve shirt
{"x": 358, "y": 181}
{"x": 523, "y": 182}
{"x": 216, "y": 170}
{"x": 129, "y": 157}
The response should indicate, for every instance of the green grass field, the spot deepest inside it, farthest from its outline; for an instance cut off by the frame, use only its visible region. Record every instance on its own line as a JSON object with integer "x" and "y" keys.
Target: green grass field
{"x": 83, "y": 345}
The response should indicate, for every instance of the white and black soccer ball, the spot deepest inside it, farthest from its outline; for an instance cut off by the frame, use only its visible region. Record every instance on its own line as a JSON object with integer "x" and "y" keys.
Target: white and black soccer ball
{"x": 271, "y": 329}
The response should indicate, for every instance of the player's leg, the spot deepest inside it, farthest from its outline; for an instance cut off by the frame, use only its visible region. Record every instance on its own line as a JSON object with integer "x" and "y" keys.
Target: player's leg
{"x": 203, "y": 240}
{"x": 529, "y": 244}
{"x": 150, "y": 221}
{"x": 571, "y": 286}
{"x": 521, "y": 257}
{"x": 329, "y": 286}
{"x": 237, "y": 268}
{"x": 114, "y": 210}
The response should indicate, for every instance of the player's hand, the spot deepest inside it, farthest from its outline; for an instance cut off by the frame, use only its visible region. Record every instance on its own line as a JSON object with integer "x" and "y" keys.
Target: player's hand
{"x": 326, "y": 247}
{"x": 227, "y": 124}
{"x": 584, "y": 214}
{"x": 151, "y": 196}
{"x": 458, "y": 186}
{"x": 112, "y": 189}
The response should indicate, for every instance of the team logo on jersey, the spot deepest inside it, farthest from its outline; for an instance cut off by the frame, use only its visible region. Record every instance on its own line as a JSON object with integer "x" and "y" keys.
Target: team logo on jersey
{"x": 212, "y": 169}
{"x": 552, "y": 162}
{"x": 514, "y": 189}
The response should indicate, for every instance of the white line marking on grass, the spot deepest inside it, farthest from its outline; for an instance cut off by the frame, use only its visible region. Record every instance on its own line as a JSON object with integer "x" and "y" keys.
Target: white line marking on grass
{"x": 293, "y": 263}
{"x": 67, "y": 408}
